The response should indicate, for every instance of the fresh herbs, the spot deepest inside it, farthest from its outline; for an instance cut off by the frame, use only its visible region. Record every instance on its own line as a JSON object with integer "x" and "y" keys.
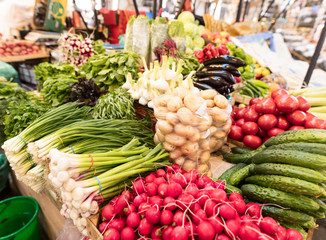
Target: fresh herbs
{"x": 110, "y": 71}
{"x": 56, "y": 90}
{"x": 45, "y": 70}
{"x": 115, "y": 105}
{"x": 84, "y": 91}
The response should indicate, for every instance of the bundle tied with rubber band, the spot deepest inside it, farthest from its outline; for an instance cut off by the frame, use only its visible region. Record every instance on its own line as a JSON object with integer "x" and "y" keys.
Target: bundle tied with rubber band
{"x": 191, "y": 126}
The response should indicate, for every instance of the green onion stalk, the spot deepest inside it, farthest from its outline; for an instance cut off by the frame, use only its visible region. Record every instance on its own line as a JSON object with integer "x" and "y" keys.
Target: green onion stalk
{"x": 48, "y": 123}
{"x": 35, "y": 178}
{"x": 83, "y": 187}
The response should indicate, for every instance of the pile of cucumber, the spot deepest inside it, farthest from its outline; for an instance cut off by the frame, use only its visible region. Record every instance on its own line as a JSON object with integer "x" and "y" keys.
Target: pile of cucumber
{"x": 287, "y": 175}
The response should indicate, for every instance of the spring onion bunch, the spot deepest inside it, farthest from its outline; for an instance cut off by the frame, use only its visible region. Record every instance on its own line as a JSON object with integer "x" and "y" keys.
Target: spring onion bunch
{"x": 158, "y": 80}
{"x": 48, "y": 123}
{"x": 85, "y": 180}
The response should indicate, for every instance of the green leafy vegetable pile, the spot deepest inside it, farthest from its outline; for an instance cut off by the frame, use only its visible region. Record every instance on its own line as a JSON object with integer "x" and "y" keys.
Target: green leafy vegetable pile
{"x": 21, "y": 114}
{"x": 45, "y": 70}
{"x": 114, "y": 105}
{"x": 85, "y": 91}
{"x": 56, "y": 89}
{"x": 110, "y": 71}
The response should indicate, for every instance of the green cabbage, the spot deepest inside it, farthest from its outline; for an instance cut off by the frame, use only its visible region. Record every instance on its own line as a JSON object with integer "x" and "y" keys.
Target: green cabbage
{"x": 176, "y": 29}
{"x": 186, "y": 17}
{"x": 189, "y": 42}
{"x": 198, "y": 42}
{"x": 190, "y": 29}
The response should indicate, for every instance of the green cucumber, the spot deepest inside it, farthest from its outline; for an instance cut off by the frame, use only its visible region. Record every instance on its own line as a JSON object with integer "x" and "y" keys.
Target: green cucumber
{"x": 238, "y": 158}
{"x": 297, "y": 158}
{"x": 226, "y": 175}
{"x": 239, "y": 150}
{"x": 322, "y": 205}
{"x": 290, "y": 171}
{"x": 317, "y": 148}
{"x": 304, "y": 135}
{"x": 269, "y": 195}
{"x": 322, "y": 171}
{"x": 288, "y": 215}
{"x": 287, "y": 184}
{"x": 295, "y": 227}
{"x": 231, "y": 189}
{"x": 240, "y": 175}
{"x": 316, "y": 214}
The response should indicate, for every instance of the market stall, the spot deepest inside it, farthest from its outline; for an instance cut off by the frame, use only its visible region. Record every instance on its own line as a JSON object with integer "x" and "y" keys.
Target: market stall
{"x": 189, "y": 132}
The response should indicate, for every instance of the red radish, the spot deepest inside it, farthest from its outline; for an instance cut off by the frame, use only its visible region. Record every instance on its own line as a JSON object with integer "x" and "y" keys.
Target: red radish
{"x": 127, "y": 194}
{"x": 138, "y": 200}
{"x": 246, "y": 219}
{"x": 200, "y": 183}
{"x": 145, "y": 227}
{"x": 156, "y": 233}
{"x": 267, "y": 121}
{"x": 195, "y": 207}
{"x": 282, "y": 123}
{"x": 210, "y": 208}
{"x": 191, "y": 228}
{"x": 169, "y": 169}
{"x": 279, "y": 92}
{"x": 151, "y": 189}
{"x": 174, "y": 189}
{"x": 294, "y": 234}
{"x": 217, "y": 224}
{"x": 169, "y": 203}
{"x": 240, "y": 122}
{"x": 261, "y": 133}
{"x": 179, "y": 218}
{"x": 166, "y": 233}
{"x": 304, "y": 104}
{"x": 185, "y": 201}
{"x": 127, "y": 234}
{"x": 252, "y": 141}
{"x": 268, "y": 225}
{"x": 222, "y": 237}
{"x": 160, "y": 173}
{"x": 296, "y": 128}
{"x": 111, "y": 234}
{"x": 179, "y": 233}
{"x": 163, "y": 189}
{"x": 116, "y": 223}
{"x": 265, "y": 139}
{"x": 103, "y": 226}
{"x": 166, "y": 217}
{"x": 192, "y": 189}
{"x": 219, "y": 196}
{"x": 281, "y": 233}
{"x": 143, "y": 207}
{"x": 263, "y": 236}
{"x": 133, "y": 220}
{"x": 254, "y": 101}
{"x": 156, "y": 200}
{"x": 227, "y": 211}
{"x": 175, "y": 166}
{"x": 159, "y": 180}
{"x": 179, "y": 178}
{"x": 240, "y": 113}
{"x": 121, "y": 204}
{"x": 249, "y": 231}
{"x": 287, "y": 103}
{"x": 202, "y": 197}
{"x": 150, "y": 178}
{"x": 253, "y": 210}
{"x": 232, "y": 227}
{"x": 114, "y": 200}
{"x": 153, "y": 214}
{"x": 266, "y": 105}
{"x": 129, "y": 209}
{"x": 235, "y": 196}
{"x": 240, "y": 206}
{"x": 220, "y": 185}
{"x": 236, "y": 133}
{"x": 107, "y": 212}
{"x": 297, "y": 117}
{"x": 199, "y": 216}
{"x": 251, "y": 115}
{"x": 250, "y": 128}
{"x": 274, "y": 132}
{"x": 205, "y": 231}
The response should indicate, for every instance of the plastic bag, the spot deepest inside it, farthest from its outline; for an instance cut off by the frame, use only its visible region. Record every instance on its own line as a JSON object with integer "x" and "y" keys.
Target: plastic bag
{"x": 181, "y": 44}
{"x": 141, "y": 33}
{"x": 159, "y": 32}
{"x": 8, "y": 72}
{"x": 192, "y": 126}
{"x": 129, "y": 36}
{"x": 69, "y": 231}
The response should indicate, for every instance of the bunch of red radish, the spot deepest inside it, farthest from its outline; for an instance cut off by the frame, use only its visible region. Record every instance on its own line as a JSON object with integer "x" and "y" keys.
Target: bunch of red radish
{"x": 76, "y": 49}
{"x": 268, "y": 117}
{"x": 173, "y": 204}
{"x": 18, "y": 48}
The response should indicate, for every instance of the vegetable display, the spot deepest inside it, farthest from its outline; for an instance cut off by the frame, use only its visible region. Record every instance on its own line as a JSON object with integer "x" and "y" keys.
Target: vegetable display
{"x": 175, "y": 204}
{"x": 287, "y": 170}
{"x": 18, "y": 48}
{"x": 191, "y": 126}
{"x": 110, "y": 71}
{"x": 114, "y": 105}
{"x": 267, "y": 117}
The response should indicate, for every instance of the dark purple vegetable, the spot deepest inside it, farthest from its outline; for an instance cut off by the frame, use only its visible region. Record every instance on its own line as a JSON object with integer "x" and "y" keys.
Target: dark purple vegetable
{"x": 225, "y": 59}
{"x": 220, "y": 73}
